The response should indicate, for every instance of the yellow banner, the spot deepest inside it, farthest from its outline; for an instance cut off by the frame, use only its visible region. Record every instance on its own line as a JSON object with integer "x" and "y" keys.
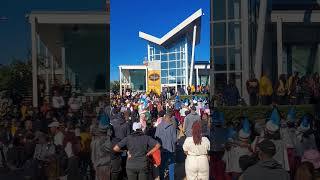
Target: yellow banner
{"x": 154, "y": 82}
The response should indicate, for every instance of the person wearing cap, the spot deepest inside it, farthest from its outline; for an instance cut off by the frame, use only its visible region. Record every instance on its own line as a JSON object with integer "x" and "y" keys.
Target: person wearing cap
{"x": 288, "y": 134}
{"x": 305, "y": 136}
{"x": 183, "y": 112}
{"x": 137, "y": 144}
{"x": 101, "y": 148}
{"x": 267, "y": 168}
{"x": 58, "y": 135}
{"x": 166, "y": 134}
{"x": 239, "y": 148}
{"x": 177, "y": 108}
{"x": 189, "y": 120}
{"x": 272, "y": 133}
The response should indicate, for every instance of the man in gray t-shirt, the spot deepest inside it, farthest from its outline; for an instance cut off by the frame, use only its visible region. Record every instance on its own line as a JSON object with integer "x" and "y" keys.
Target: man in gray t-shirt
{"x": 189, "y": 120}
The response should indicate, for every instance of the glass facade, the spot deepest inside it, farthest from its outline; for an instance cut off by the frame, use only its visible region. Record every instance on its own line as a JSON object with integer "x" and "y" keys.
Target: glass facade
{"x": 226, "y": 43}
{"x": 173, "y": 62}
{"x": 138, "y": 80}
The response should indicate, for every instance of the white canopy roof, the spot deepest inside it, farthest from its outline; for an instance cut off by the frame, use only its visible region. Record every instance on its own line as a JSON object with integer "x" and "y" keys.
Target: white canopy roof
{"x": 184, "y": 28}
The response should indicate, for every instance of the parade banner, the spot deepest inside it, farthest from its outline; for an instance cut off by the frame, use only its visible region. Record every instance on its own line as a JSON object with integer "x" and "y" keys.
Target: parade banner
{"x": 154, "y": 77}
{"x": 154, "y": 82}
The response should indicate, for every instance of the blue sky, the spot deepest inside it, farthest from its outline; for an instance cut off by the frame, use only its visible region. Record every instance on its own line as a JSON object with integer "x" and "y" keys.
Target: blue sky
{"x": 15, "y": 32}
{"x": 153, "y": 17}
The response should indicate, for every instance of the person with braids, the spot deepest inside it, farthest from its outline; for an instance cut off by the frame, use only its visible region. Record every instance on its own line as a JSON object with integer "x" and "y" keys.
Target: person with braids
{"x": 196, "y": 148}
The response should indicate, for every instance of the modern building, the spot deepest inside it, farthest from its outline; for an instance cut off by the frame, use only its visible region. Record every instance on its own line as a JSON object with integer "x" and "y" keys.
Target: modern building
{"x": 70, "y": 45}
{"x": 251, "y": 37}
{"x": 170, "y": 60}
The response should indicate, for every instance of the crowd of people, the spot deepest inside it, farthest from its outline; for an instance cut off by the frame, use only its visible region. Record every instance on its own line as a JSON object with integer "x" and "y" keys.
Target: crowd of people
{"x": 145, "y": 136}
{"x": 52, "y": 140}
{"x": 281, "y": 146}
{"x": 291, "y": 90}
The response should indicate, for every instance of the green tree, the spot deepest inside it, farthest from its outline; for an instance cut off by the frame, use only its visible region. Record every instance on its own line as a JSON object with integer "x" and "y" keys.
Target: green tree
{"x": 17, "y": 75}
{"x": 115, "y": 86}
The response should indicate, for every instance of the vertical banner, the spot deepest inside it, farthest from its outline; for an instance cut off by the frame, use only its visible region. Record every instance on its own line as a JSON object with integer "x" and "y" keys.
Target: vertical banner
{"x": 154, "y": 77}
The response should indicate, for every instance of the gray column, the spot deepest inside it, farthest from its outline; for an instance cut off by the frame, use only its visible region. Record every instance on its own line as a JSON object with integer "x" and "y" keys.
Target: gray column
{"x": 279, "y": 46}
{"x": 120, "y": 80}
{"x": 197, "y": 74}
{"x": 192, "y": 53}
{"x": 260, "y": 37}
{"x": 245, "y": 48}
{"x": 34, "y": 63}
{"x": 146, "y": 79}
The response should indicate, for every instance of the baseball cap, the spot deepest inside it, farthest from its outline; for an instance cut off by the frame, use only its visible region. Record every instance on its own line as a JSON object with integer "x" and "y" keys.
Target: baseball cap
{"x": 54, "y": 124}
{"x": 136, "y": 126}
{"x": 268, "y": 147}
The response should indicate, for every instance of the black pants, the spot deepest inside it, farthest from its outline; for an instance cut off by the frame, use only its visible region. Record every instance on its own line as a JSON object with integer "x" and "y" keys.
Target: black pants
{"x": 137, "y": 174}
{"x": 253, "y": 99}
{"x": 265, "y": 100}
{"x": 116, "y": 169}
{"x": 282, "y": 100}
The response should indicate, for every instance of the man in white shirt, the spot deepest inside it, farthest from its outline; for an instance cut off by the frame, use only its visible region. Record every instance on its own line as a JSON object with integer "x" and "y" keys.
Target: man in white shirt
{"x": 57, "y": 101}
{"x": 58, "y": 135}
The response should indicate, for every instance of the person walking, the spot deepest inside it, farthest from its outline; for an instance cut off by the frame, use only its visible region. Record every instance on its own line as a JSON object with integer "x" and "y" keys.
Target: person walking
{"x": 196, "y": 148}
{"x": 166, "y": 134}
{"x": 137, "y": 144}
{"x": 189, "y": 120}
{"x": 267, "y": 168}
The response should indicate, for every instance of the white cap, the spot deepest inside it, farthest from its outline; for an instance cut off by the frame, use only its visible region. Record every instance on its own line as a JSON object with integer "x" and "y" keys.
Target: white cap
{"x": 136, "y": 126}
{"x": 54, "y": 124}
{"x": 243, "y": 134}
{"x": 272, "y": 127}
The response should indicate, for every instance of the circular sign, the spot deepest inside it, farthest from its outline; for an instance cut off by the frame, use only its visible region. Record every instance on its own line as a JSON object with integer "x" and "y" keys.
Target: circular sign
{"x": 154, "y": 77}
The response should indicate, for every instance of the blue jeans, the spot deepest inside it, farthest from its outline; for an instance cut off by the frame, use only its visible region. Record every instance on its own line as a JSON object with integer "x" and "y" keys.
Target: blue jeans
{"x": 167, "y": 160}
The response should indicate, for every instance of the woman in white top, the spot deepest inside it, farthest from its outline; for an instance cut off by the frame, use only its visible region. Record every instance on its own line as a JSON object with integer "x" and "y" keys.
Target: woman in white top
{"x": 196, "y": 148}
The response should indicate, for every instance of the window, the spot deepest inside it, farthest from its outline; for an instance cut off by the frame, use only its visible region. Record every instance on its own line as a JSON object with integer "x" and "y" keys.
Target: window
{"x": 164, "y": 81}
{"x": 220, "y": 82}
{"x": 218, "y": 9}
{"x": 233, "y": 9}
{"x": 234, "y": 34}
{"x": 220, "y": 59}
{"x": 235, "y": 59}
{"x": 172, "y": 64}
{"x": 172, "y": 56}
{"x": 172, "y": 72}
{"x": 164, "y": 65}
{"x": 164, "y": 73}
{"x": 219, "y": 34}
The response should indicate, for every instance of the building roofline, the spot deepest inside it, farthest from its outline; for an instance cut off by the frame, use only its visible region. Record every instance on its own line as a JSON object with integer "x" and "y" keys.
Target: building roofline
{"x": 69, "y": 17}
{"x": 294, "y": 16}
{"x": 132, "y": 67}
{"x": 174, "y": 31}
